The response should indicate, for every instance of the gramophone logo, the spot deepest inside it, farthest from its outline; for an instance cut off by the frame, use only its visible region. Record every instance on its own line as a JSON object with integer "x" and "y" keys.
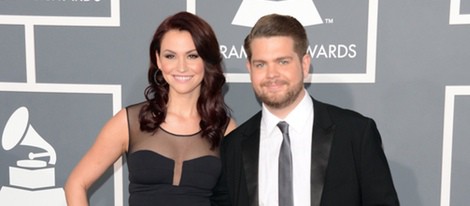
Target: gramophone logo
{"x": 251, "y": 10}
{"x": 32, "y": 180}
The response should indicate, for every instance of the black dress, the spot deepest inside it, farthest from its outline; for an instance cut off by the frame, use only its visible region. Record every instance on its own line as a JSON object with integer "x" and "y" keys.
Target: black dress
{"x": 169, "y": 169}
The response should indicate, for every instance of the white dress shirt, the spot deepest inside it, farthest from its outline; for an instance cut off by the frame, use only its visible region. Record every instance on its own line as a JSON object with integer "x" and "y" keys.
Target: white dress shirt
{"x": 300, "y": 122}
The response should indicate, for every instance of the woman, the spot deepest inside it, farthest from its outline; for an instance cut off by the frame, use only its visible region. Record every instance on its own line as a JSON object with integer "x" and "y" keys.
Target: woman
{"x": 172, "y": 139}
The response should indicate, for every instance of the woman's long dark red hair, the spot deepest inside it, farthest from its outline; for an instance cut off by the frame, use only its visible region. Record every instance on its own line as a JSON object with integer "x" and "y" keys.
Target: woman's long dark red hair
{"x": 211, "y": 106}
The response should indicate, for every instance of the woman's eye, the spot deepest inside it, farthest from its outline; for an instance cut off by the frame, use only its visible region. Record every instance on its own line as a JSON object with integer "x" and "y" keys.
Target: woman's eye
{"x": 169, "y": 56}
{"x": 193, "y": 56}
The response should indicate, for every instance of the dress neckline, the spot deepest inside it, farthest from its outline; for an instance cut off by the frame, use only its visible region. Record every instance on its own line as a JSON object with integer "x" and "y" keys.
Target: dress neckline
{"x": 180, "y": 135}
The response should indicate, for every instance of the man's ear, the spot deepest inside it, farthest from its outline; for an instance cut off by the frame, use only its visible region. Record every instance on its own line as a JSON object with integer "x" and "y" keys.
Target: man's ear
{"x": 248, "y": 66}
{"x": 306, "y": 64}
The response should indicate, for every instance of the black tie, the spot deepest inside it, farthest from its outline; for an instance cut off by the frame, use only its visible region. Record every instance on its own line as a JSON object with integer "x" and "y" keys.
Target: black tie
{"x": 286, "y": 191}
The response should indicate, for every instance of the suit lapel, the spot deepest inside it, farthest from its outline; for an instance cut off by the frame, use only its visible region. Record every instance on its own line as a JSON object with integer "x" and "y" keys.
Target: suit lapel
{"x": 250, "y": 152}
{"x": 323, "y": 132}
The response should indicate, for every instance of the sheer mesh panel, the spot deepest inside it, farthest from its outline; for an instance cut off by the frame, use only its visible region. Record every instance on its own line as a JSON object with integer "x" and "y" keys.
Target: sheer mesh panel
{"x": 179, "y": 148}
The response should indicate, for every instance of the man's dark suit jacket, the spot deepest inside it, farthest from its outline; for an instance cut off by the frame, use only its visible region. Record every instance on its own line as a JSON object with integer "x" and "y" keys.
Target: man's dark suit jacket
{"x": 348, "y": 165}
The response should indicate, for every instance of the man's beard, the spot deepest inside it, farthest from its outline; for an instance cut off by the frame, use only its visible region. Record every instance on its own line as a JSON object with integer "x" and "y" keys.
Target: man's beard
{"x": 282, "y": 101}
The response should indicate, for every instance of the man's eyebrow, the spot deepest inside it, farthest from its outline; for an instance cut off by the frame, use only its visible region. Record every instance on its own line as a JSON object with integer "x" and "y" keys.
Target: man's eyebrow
{"x": 284, "y": 57}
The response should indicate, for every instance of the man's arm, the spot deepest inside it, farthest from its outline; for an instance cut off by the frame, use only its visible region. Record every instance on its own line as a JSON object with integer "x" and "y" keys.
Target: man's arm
{"x": 375, "y": 176}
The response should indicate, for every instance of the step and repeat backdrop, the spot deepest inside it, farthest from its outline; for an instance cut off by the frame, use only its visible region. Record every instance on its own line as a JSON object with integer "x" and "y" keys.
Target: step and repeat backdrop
{"x": 67, "y": 66}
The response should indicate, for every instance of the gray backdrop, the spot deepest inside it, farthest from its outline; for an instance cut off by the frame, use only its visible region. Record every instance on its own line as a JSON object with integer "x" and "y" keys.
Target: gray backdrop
{"x": 72, "y": 64}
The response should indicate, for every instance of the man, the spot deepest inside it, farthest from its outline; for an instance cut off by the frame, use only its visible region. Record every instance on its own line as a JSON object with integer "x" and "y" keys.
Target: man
{"x": 334, "y": 156}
